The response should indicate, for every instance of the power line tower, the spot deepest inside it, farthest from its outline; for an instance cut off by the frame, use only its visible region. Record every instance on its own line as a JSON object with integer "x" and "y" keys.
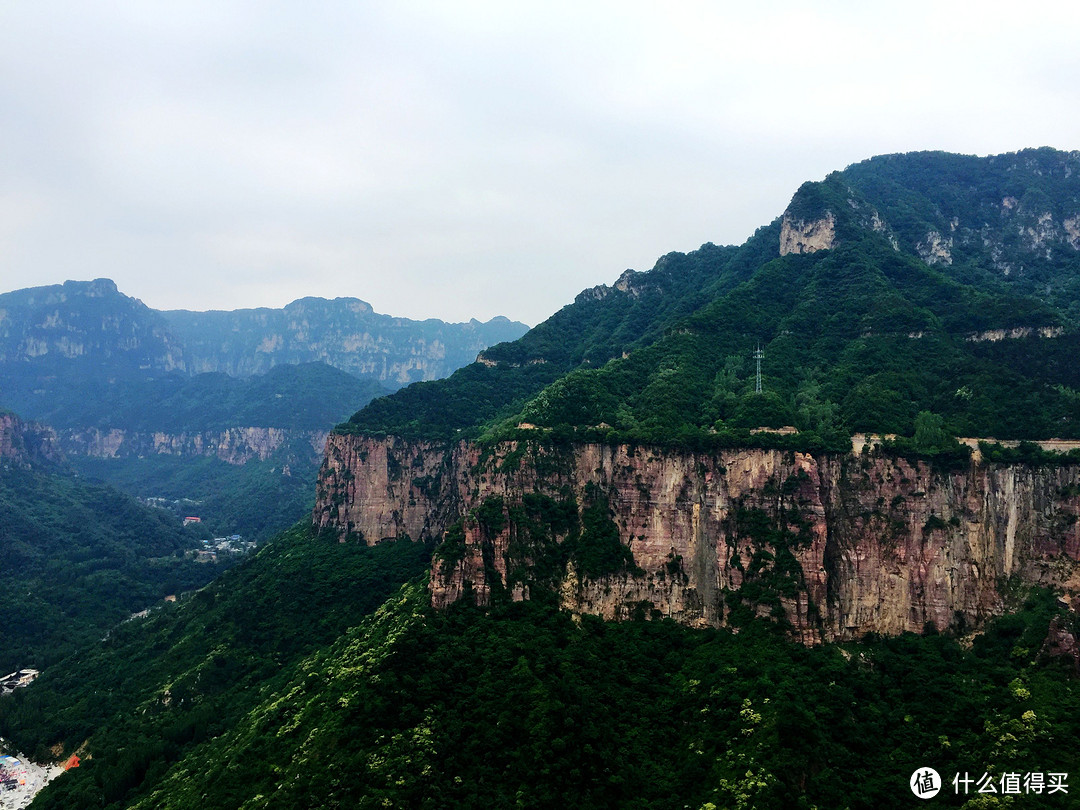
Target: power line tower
{"x": 758, "y": 356}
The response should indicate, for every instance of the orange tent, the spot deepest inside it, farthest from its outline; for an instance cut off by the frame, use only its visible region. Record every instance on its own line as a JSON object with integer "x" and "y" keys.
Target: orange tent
{"x": 73, "y": 762}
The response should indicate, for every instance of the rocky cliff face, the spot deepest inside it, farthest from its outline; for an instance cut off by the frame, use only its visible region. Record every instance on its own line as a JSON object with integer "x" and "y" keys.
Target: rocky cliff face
{"x": 802, "y": 236}
{"x": 1019, "y": 235}
{"x": 237, "y": 445}
{"x": 344, "y": 333}
{"x": 26, "y": 443}
{"x": 833, "y": 545}
{"x": 84, "y": 320}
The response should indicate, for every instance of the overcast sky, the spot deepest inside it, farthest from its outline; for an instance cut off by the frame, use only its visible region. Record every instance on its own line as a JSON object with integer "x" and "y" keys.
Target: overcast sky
{"x": 470, "y": 159}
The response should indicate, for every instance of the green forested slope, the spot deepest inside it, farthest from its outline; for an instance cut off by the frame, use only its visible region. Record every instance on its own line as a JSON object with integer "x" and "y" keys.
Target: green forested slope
{"x": 310, "y": 396}
{"x": 601, "y": 324}
{"x": 158, "y": 688}
{"x": 524, "y": 707}
{"x": 860, "y": 337}
{"x": 305, "y": 397}
{"x": 255, "y": 500}
{"x": 1006, "y": 220}
{"x": 76, "y": 558}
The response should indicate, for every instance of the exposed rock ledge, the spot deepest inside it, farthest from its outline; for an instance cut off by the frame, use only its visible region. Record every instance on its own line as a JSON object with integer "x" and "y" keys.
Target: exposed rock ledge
{"x": 237, "y": 445}
{"x": 881, "y": 544}
{"x": 798, "y": 236}
{"x": 26, "y": 443}
{"x": 994, "y": 335}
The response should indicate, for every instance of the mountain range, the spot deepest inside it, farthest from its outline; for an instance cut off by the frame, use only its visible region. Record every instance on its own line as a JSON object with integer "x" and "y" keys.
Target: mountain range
{"x": 859, "y": 332}
{"x": 612, "y": 564}
{"x": 104, "y": 391}
{"x": 56, "y": 340}
{"x": 167, "y": 404}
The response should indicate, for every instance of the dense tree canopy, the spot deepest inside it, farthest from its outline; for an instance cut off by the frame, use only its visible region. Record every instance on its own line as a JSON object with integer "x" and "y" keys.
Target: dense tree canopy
{"x": 524, "y": 706}
{"x": 77, "y": 558}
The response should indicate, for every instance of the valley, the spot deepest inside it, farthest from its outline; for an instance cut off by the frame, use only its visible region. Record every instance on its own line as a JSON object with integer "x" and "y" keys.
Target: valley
{"x": 128, "y": 404}
{"x": 201, "y": 407}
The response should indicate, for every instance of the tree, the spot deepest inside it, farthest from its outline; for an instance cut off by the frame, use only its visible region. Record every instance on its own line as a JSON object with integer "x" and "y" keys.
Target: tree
{"x": 930, "y": 435}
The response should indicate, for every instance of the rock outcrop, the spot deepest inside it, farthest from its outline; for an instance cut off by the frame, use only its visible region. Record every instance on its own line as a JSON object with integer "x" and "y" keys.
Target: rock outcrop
{"x": 807, "y": 236}
{"x": 834, "y": 545}
{"x": 1062, "y": 645}
{"x": 1017, "y": 333}
{"x": 935, "y": 249}
{"x": 234, "y": 445}
{"x": 26, "y": 444}
{"x": 344, "y": 333}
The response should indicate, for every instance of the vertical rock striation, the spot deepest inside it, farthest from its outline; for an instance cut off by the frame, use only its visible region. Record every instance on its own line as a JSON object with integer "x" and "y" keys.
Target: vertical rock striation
{"x": 25, "y": 444}
{"x": 807, "y": 236}
{"x": 237, "y": 445}
{"x": 833, "y": 545}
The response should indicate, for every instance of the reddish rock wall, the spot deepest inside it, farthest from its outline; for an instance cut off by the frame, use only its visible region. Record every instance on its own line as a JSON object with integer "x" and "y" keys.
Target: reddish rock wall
{"x": 884, "y": 544}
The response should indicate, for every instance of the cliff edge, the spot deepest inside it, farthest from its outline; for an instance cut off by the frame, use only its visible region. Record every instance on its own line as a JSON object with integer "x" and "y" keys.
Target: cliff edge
{"x": 832, "y": 546}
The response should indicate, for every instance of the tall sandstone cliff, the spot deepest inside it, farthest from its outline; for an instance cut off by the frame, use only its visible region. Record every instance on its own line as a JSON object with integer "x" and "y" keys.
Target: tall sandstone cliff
{"x": 837, "y": 545}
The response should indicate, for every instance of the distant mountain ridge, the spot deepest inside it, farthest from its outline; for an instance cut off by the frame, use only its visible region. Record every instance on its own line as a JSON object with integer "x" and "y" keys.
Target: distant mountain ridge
{"x": 52, "y": 328}
{"x": 345, "y": 333}
{"x": 62, "y": 327}
{"x": 83, "y": 356}
{"x": 168, "y": 405}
